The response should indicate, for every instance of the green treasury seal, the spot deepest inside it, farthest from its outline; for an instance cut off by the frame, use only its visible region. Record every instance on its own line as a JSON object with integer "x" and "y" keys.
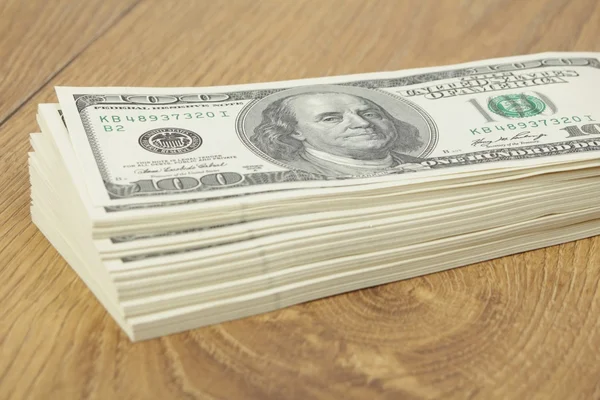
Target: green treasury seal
{"x": 516, "y": 105}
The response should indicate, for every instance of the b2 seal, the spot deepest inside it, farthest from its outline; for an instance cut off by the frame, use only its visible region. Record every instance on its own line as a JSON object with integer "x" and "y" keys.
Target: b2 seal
{"x": 516, "y": 105}
{"x": 170, "y": 141}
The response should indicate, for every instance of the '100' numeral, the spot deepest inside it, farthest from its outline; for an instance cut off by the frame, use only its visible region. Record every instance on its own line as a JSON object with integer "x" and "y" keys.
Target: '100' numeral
{"x": 187, "y": 182}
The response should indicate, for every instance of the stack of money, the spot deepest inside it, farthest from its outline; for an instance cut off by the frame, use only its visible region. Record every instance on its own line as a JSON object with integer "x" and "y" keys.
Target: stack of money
{"x": 182, "y": 207}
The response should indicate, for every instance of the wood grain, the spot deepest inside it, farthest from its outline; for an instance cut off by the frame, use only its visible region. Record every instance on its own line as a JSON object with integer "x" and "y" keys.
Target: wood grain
{"x": 519, "y": 327}
{"x": 39, "y": 37}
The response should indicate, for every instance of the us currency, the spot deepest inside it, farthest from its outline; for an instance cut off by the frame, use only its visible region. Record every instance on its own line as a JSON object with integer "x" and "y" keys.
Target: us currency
{"x": 192, "y": 222}
{"x": 445, "y": 223}
{"x": 528, "y": 206}
{"x": 272, "y": 298}
{"x": 403, "y": 202}
{"x": 137, "y": 245}
{"x": 518, "y": 240}
{"x": 162, "y": 145}
{"x": 192, "y": 289}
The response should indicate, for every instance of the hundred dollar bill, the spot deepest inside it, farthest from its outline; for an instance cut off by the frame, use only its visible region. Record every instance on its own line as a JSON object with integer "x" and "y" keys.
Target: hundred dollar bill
{"x": 147, "y": 145}
{"x": 191, "y": 221}
{"x": 47, "y": 158}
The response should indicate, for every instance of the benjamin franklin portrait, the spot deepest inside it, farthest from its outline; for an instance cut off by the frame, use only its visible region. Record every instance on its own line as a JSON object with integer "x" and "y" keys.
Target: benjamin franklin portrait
{"x": 336, "y": 134}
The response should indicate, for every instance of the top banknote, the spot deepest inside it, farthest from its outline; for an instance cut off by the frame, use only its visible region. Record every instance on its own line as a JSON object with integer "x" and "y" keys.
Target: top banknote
{"x": 138, "y": 145}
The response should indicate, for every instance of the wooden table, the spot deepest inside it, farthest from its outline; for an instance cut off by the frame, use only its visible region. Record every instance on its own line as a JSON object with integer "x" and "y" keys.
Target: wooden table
{"x": 519, "y": 327}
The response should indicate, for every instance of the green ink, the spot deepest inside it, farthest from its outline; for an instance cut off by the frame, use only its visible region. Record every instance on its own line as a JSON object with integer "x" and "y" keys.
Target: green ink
{"x": 516, "y": 105}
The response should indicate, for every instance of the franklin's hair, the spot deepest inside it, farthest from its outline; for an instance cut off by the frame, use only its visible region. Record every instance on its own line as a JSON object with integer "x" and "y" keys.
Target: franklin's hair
{"x": 274, "y": 134}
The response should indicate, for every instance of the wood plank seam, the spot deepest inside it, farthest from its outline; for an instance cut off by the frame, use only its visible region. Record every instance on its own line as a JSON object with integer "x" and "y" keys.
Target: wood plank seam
{"x": 69, "y": 62}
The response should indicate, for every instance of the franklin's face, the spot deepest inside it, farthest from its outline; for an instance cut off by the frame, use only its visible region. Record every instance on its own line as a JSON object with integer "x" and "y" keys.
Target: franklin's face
{"x": 343, "y": 125}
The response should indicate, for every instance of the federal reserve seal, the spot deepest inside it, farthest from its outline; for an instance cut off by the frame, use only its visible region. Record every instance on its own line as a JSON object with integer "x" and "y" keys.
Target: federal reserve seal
{"x": 516, "y": 105}
{"x": 170, "y": 141}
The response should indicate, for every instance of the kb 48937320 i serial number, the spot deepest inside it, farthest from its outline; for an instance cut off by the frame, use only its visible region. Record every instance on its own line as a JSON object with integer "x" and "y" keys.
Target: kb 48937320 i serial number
{"x": 113, "y": 122}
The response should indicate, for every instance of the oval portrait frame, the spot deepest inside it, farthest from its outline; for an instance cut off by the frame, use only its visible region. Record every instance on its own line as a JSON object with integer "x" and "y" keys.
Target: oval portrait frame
{"x": 251, "y": 115}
